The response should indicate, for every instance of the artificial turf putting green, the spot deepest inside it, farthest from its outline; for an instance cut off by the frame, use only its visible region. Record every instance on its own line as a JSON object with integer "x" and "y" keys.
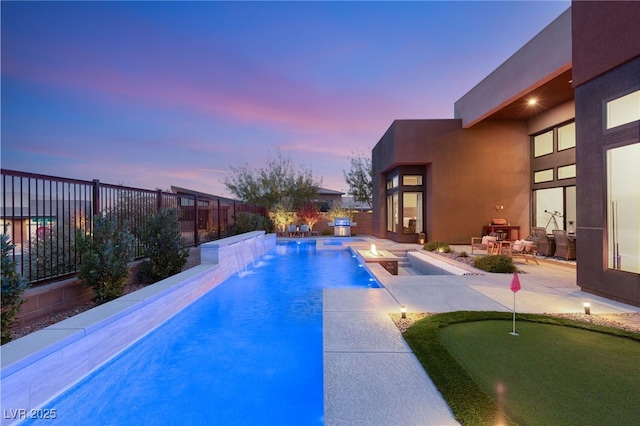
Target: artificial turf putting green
{"x": 556, "y": 372}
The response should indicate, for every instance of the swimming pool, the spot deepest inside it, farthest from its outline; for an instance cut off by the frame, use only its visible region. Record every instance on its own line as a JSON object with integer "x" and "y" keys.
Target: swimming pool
{"x": 247, "y": 352}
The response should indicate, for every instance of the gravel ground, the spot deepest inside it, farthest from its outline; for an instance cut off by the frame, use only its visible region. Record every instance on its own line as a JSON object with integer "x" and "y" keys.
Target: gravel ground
{"x": 629, "y": 322}
{"x": 467, "y": 260}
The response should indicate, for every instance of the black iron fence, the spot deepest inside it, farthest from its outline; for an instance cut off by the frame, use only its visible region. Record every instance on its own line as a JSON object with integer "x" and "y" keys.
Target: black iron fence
{"x": 42, "y": 214}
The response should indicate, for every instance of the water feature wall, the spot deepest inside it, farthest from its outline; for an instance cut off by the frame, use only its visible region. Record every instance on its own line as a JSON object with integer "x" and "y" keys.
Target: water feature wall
{"x": 43, "y": 364}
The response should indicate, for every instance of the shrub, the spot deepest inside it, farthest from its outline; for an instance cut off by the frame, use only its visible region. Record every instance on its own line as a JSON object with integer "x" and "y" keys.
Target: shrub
{"x": 162, "y": 243}
{"x": 52, "y": 253}
{"x": 437, "y": 246}
{"x": 337, "y": 210}
{"x": 463, "y": 254}
{"x": 498, "y": 263}
{"x": 105, "y": 258}
{"x": 327, "y": 232}
{"x": 13, "y": 285}
{"x": 247, "y": 222}
{"x": 282, "y": 214}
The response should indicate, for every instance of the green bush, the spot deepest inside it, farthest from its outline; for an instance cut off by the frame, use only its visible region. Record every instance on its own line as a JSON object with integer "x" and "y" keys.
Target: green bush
{"x": 13, "y": 285}
{"x": 327, "y": 232}
{"x": 162, "y": 244}
{"x": 247, "y": 222}
{"x": 437, "y": 246}
{"x": 498, "y": 263}
{"x": 52, "y": 253}
{"x": 463, "y": 254}
{"x": 105, "y": 258}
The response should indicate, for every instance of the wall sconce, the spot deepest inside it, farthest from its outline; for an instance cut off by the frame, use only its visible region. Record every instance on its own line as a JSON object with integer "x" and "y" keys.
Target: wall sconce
{"x": 403, "y": 311}
{"x": 587, "y": 308}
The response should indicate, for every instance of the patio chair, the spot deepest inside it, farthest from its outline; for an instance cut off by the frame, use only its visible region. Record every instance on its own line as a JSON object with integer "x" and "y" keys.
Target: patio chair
{"x": 525, "y": 248}
{"x": 486, "y": 243}
{"x": 546, "y": 245}
{"x": 565, "y": 246}
{"x": 304, "y": 230}
{"x": 293, "y": 230}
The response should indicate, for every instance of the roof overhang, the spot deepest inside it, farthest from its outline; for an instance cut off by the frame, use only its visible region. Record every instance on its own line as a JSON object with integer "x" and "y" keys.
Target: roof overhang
{"x": 541, "y": 69}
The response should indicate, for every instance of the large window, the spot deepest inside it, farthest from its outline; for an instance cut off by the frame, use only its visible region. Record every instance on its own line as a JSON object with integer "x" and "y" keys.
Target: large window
{"x": 411, "y": 180}
{"x": 567, "y": 136}
{"x": 411, "y": 212}
{"x": 405, "y": 195}
{"x": 623, "y": 110}
{"x": 623, "y": 208}
{"x": 554, "y": 178}
{"x": 543, "y": 144}
{"x": 393, "y": 211}
{"x": 555, "y": 208}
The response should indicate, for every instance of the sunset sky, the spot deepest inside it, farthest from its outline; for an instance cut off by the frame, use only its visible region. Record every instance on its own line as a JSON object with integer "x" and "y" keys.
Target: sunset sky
{"x": 154, "y": 94}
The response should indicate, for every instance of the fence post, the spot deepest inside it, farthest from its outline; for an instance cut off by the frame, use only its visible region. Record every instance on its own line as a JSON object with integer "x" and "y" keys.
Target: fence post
{"x": 159, "y": 200}
{"x": 218, "y": 218}
{"x": 195, "y": 221}
{"x": 96, "y": 199}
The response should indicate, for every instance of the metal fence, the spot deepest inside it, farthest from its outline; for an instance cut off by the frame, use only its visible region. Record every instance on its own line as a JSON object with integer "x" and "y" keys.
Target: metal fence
{"x": 41, "y": 214}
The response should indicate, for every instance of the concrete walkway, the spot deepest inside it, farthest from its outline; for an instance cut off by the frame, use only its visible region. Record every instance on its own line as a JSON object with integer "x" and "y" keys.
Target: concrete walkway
{"x": 371, "y": 377}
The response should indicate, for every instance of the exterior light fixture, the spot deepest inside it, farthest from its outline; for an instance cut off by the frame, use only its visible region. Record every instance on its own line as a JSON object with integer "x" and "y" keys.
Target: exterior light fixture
{"x": 374, "y": 252}
{"x": 532, "y": 101}
{"x": 587, "y": 308}
{"x": 403, "y": 311}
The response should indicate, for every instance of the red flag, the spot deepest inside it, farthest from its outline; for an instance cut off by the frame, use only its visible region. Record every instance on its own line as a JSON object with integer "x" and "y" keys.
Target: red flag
{"x": 515, "y": 283}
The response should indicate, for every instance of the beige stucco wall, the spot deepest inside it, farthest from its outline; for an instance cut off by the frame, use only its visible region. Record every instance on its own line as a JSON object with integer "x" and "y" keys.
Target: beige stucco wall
{"x": 550, "y": 118}
{"x": 468, "y": 173}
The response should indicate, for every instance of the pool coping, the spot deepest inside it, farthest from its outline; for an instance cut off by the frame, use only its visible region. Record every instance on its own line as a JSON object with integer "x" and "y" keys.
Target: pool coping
{"x": 443, "y": 263}
{"x": 38, "y": 367}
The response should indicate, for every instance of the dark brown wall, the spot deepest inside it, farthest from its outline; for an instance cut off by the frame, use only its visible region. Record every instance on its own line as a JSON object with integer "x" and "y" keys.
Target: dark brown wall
{"x": 605, "y": 34}
{"x": 469, "y": 172}
{"x": 606, "y": 64}
{"x": 592, "y": 141}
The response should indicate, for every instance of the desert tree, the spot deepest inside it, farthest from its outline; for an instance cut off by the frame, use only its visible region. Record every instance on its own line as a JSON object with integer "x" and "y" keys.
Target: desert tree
{"x": 271, "y": 184}
{"x": 309, "y": 213}
{"x": 282, "y": 214}
{"x": 360, "y": 178}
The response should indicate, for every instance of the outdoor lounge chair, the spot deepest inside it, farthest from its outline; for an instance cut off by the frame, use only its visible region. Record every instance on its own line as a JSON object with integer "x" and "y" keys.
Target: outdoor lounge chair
{"x": 304, "y": 230}
{"x": 525, "y": 248}
{"x": 486, "y": 243}
{"x": 293, "y": 230}
{"x": 565, "y": 246}
{"x": 546, "y": 245}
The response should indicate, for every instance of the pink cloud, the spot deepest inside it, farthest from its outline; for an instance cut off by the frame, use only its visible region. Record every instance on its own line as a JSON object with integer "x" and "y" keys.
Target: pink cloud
{"x": 265, "y": 97}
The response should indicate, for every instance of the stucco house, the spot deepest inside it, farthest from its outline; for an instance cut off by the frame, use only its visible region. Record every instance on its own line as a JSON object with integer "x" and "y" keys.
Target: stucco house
{"x": 550, "y": 138}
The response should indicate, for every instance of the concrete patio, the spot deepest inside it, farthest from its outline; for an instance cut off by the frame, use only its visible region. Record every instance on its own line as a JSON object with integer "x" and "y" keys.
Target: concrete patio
{"x": 371, "y": 377}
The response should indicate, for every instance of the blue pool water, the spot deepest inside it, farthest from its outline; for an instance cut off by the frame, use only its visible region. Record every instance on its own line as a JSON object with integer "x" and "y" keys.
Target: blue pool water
{"x": 341, "y": 240}
{"x": 248, "y": 352}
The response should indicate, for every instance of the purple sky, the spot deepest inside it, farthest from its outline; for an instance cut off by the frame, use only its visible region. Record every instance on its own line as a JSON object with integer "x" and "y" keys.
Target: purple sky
{"x": 154, "y": 94}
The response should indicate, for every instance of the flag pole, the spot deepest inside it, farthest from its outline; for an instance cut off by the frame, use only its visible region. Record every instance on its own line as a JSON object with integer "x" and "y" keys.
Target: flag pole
{"x": 515, "y": 287}
{"x": 513, "y": 333}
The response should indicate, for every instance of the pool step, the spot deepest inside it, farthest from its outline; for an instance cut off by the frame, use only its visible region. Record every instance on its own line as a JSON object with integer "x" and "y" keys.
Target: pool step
{"x": 404, "y": 267}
